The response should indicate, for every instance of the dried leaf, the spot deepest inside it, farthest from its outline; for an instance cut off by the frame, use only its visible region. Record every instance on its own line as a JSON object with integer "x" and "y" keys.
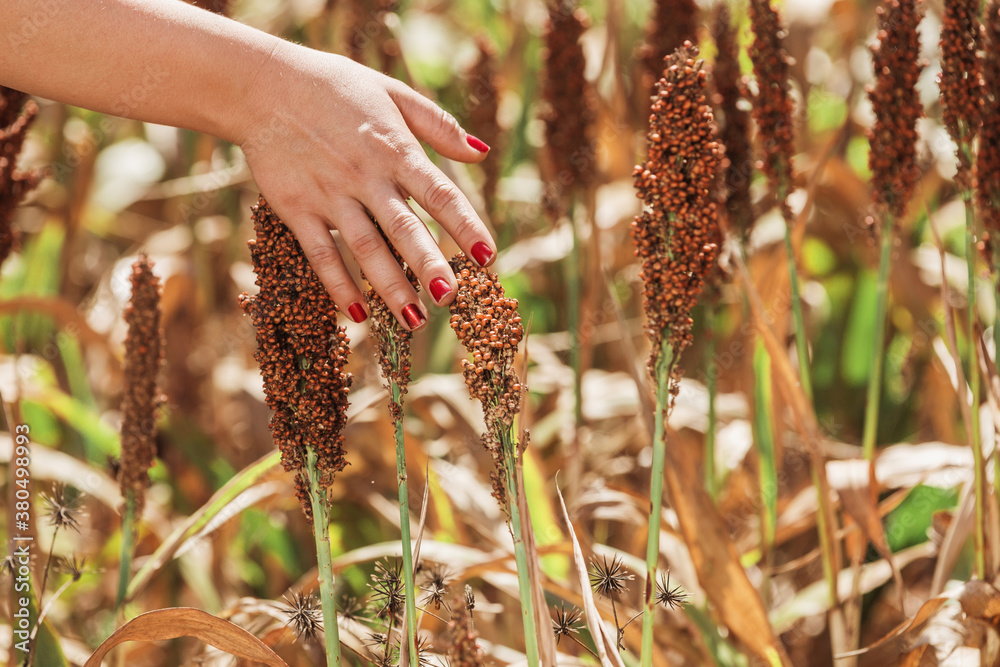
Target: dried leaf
{"x": 187, "y": 622}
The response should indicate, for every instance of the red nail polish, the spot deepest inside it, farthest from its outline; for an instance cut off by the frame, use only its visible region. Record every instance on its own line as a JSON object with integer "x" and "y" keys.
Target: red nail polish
{"x": 357, "y": 313}
{"x": 414, "y": 318}
{"x": 481, "y": 253}
{"x": 478, "y": 144}
{"x": 439, "y": 288}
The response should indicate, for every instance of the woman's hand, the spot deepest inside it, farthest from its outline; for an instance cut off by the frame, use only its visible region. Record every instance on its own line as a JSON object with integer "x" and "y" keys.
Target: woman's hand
{"x": 327, "y": 139}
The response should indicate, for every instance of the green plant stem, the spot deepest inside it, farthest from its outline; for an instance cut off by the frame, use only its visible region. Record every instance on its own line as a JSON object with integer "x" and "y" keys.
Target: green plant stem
{"x": 129, "y": 529}
{"x": 764, "y": 439}
{"x": 573, "y": 310}
{"x": 404, "y": 527}
{"x": 324, "y": 559}
{"x": 801, "y": 347}
{"x": 664, "y": 363}
{"x": 520, "y": 553}
{"x": 712, "y": 382}
{"x": 996, "y": 355}
{"x": 878, "y": 347}
{"x": 977, "y": 449}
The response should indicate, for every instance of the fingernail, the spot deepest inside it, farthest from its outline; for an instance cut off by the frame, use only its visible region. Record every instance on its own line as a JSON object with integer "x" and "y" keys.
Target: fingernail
{"x": 414, "y": 318}
{"x": 478, "y": 144}
{"x": 439, "y": 288}
{"x": 357, "y": 313}
{"x": 481, "y": 253}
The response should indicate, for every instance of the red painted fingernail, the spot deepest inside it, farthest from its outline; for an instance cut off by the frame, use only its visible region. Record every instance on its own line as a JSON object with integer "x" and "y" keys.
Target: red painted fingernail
{"x": 414, "y": 318}
{"x": 439, "y": 288}
{"x": 357, "y": 313}
{"x": 478, "y": 144}
{"x": 481, "y": 253}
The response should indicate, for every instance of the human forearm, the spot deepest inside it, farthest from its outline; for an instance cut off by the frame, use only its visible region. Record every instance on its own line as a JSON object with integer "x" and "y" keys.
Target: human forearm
{"x": 161, "y": 61}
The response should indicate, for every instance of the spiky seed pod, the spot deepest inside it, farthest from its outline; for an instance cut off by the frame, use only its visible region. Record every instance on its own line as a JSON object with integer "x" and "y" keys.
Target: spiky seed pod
{"x": 672, "y": 23}
{"x": 62, "y": 507}
{"x": 733, "y": 121}
{"x": 304, "y": 615}
{"x": 463, "y": 648}
{"x": 569, "y": 101}
{"x": 487, "y": 323}
{"x": 988, "y": 158}
{"x": 143, "y": 355}
{"x": 959, "y": 80}
{"x": 897, "y": 108}
{"x": 772, "y": 106}
{"x": 483, "y": 100}
{"x": 14, "y": 184}
{"x": 675, "y": 237}
{"x": 302, "y": 353}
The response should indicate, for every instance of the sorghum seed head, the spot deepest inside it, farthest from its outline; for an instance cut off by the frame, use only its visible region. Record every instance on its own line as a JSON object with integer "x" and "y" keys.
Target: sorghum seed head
{"x": 14, "y": 184}
{"x": 897, "y": 108}
{"x": 959, "y": 80}
{"x": 143, "y": 355}
{"x": 672, "y": 23}
{"x": 988, "y": 157}
{"x": 463, "y": 649}
{"x": 302, "y": 353}
{"x": 484, "y": 101}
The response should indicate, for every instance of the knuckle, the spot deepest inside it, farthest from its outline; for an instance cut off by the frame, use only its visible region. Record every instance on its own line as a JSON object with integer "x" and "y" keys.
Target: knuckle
{"x": 367, "y": 245}
{"x": 399, "y": 225}
{"x": 323, "y": 256}
{"x": 444, "y": 122}
{"x": 439, "y": 194}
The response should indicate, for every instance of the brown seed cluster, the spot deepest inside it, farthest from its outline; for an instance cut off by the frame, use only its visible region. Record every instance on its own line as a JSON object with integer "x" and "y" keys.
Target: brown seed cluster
{"x": 569, "y": 101}
{"x": 14, "y": 184}
{"x": 488, "y": 325}
{"x": 676, "y": 237}
{"x": 772, "y": 106}
{"x": 896, "y": 104}
{"x": 483, "y": 100}
{"x": 959, "y": 80}
{"x": 302, "y": 353}
{"x": 672, "y": 23}
{"x": 143, "y": 355}
{"x": 463, "y": 650}
{"x": 988, "y": 158}
{"x": 734, "y": 123}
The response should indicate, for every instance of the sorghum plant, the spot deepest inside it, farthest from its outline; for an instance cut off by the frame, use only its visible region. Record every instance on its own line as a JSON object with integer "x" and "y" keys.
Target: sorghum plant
{"x": 14, "y": 184}
{"x": 672, "y": 23}
{"x": 302, "y": 354}
{"x": 484, "y": 101}
{"x": 488, "y": 325}
{"x": 143, "y": 355}
{"x": 463, "y": 650}
{"x": 675, "y": 241}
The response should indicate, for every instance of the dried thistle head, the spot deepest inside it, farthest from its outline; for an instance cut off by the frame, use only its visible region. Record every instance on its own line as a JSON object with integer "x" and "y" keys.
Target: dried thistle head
{"x": 959, "y": 80}
{"x": 143, "y": 356}
{"x": 988, "y": 157}
{"x": 772, "y": 106}
{"x": 609, "y": 579}
{"x": 676, "y": 237}
{"x": 302, "y": 353}
{"x": 463, "y": 647}
{"x": 672, "y": 23}
{"x": 484, "y": 101}
{"x": 304, "y": 615}
{"x": 733, "y": 121}
{"x": 350, "y": 609}
{"x": 569, "y": 101}
{"x": 73, "y": 566}
{"x": 897, "y": 108}
{"x": 62, "y": 507}
{"x": 670, "y": 598}
{"x": 487, "y": 323}
{"x": 435, "y": 586}
{"x": 14, "y": 184}
{"x": 388, "y": 597}
{"x": 566, "y": 622}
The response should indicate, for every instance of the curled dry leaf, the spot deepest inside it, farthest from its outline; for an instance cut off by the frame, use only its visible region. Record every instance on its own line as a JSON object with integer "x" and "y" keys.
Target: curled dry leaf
{"x": 187, "y": 622}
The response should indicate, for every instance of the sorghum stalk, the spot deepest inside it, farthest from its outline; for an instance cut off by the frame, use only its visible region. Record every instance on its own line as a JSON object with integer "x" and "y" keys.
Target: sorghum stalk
{"x": 711, "y": 382}
{"x": 302, "y": 354}
{"x": 676, "y": 242}
{"x": 392, "y": 343}
{"x": 143, "y": 354}
{"x": 487, "y": 323}
{"x": 892, "y": 160}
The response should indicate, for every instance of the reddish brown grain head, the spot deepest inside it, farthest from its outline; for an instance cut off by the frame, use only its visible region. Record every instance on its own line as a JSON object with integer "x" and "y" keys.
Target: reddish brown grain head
{"x": 463, "y": 649}
{"x": 483, "y": 101}
{"x": 676, "y": 236}
{"x": 672, "y": 23}
{"x": 988, "y": 158}
{"x": 772, "y": 106}
{"x": 301, "y": 350}
{"x": 143, "y": 355}
{"x": 959, "y": 80}
{"x": 896, "y": 104}
{"x": 488, "y": 325}
{"x": 14, "y": 184}
{"x": 569, "y": 102}
{"x": 734, "y": 123}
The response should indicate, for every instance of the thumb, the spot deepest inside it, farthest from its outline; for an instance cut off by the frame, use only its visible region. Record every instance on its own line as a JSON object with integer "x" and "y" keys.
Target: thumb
{"x": 432, "y": 124}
